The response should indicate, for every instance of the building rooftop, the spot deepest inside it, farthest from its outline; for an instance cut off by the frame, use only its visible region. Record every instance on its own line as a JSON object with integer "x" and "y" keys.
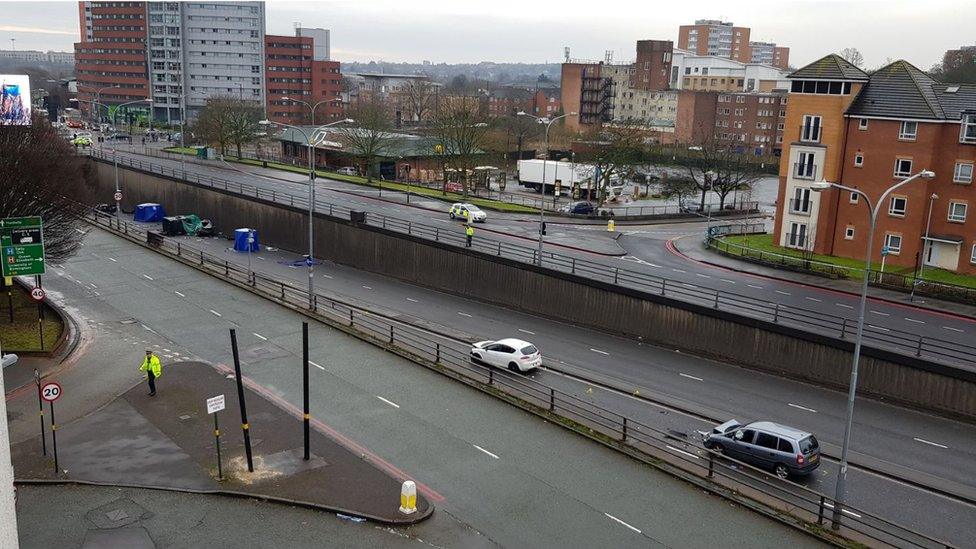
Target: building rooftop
{"x": 902, "y": 90}
{"x": 831, "y": 67}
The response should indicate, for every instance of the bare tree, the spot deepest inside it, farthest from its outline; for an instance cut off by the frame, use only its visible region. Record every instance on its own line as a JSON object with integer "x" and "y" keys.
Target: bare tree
{"x": 613, "y": 151}
{"x": 852, "y": 56}
{"x": 420, "y": 97}
{"x": 244, "y": 124}
{"x": 40, "y": 175}
{"x": 215, "y": 123}
{"x": 462, "y": 134}
{"x": 521, "y": 129}
{"x": 372, "y": 137}
{"x": 716, "y": 165}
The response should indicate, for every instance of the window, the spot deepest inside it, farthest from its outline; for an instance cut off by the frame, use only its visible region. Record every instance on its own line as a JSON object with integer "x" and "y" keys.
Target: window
{"x": 963, "y": 173}
{"x": 897, "y": 206}
{"x": 801, "y": 201}
{"x": 849, "y": 233}
{"x": 797, "y": 238}
{"x": 967, "y": 133}
{"x": 767, "y": 441}
{"x": 972, "y": 254}
{"x": 745, "y": 436}
{"x": 862, "y": 124}
{"x": 893, "y": 243}
{"x": 854, "y": 197}
{"x": 908, "y": 132}
{"x": 804, "y": 168}
{"x": 785, "y": 446}
{"x": 858, "y": 160}
{"x": 957, "y": 212}
{"x": 811, "y": 129}
{"x": 903, "y": 167}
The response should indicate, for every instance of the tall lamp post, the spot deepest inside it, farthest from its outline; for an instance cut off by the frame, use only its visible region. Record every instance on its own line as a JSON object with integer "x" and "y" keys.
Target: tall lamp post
{"x": 545, "y": 160}
{"x": 115, "y": 158}
{"x": 98, "y": 96}
{"x": 852, "y": 389}
{"x": 183, "y": 99}
{"x": 308, "y": 106}
{"x": 925, "y": 242}
{"x": 311, "y": 194}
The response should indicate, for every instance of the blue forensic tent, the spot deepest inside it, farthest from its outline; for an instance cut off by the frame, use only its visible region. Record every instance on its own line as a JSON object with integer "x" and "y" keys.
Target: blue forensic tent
{"x": 149, "y": 213}
{"x": 240, "y": 240}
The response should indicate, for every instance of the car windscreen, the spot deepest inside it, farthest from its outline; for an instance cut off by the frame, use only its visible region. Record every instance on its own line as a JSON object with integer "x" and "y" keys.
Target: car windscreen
{"x": 529, "y": 350}
{"x": 473, "y": 208}
{"x": 809, "y": 444}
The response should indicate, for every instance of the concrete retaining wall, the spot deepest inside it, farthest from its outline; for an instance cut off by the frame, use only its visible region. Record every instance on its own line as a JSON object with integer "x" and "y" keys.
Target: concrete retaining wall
{"x": 702, "y": 330}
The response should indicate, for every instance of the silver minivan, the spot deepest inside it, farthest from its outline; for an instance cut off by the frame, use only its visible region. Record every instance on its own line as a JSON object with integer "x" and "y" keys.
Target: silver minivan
{"x": 784, "y": 450}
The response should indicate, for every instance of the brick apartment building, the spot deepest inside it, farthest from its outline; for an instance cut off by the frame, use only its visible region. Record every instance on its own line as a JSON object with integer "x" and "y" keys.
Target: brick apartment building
{"x": 870, "y": 132}
{"x": 293, "y": 72}
{"x": 753, "y": 123}
{"x": 509, "y": 101}
{"x": 111, "y": 55}
{"x": 652, "y": 68}
{"x": 723, "y": 39}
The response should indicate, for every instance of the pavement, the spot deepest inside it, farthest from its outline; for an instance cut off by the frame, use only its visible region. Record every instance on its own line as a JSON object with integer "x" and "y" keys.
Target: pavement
{"x": 497, "y": 475}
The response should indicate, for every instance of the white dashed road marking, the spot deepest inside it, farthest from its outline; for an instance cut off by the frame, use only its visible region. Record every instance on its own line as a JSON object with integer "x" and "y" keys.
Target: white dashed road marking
{"x": 727, "y": 280}
{"x": 804, "y": 408}
{"x": 316, "y": 365}
{"x": 754, "y": 286}
{"x": 113, "y": 260}
{"x": 679, "y": 271}
{"x": 215, "y": 312}
{"x": 880, "y": 313}
{"x": 883, "y": 329}
{"x": 259, "y": 336}
{"x": 782, "y": 292}
{"x": 390, "y": 402}
{"x": 526, "y": 332}
{"x": 844, "y": 305}
{"x": 702, "y": 275}
{"x": 690, "y": 377}
{"x": 147, "y": 277}
{"x": 464, "y": 314}
{"x": 599, "y": 351}
{"x": 915, "y": 321}
{"x": 485, "y": 451}
{"x": 615, "y": 519}
{"x": 367, "y": 287}
{"x": 936, "y": 444}
{"x": 689, "y": 454}
{"x": 814, "y": 299}
{"x": 178, "y": 293}
{"x": 412, "y": 300}
{"x": 951, "y": 328}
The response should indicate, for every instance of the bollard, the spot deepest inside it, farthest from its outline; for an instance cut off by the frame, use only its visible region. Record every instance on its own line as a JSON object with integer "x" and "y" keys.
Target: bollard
{"x": 611, "y": 225}
{"x": 408, "y": 498}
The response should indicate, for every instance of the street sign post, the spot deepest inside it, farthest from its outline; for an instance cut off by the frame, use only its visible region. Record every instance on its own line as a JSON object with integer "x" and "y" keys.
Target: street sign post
{"x": 214, "y": 405}
{"x": 22, "y": 246}
{"x": 40, "y": 404}
{"x": 117, "y": 196}
{"x": 37, "y": 294}
{"x": 50, "y": 392}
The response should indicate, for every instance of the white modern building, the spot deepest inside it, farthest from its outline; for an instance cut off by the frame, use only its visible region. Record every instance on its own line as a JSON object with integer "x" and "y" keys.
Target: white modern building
{"x": 321, "y": 51}
{"x": 712, "y": 73}
{"x": 35, "y": 56}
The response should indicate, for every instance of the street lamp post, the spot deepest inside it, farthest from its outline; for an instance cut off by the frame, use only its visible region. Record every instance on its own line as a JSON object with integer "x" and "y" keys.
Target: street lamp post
{"x": 925, "y": 242}
{"x": 311, "y": 108}
{"x": 98, "y": 96}
{"x": 183, "y": 99}
{"x": 115, "y": 158}
{"x": 545, "y": 160}
{"x": 309, "y": 262}
{"x": 852, "y": 389}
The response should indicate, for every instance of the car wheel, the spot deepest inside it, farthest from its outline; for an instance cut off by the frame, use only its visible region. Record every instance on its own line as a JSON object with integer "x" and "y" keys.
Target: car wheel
{"x": 452, "y": 216}
{"x": 513, "y": 367}
{"x": 781, "y": 470}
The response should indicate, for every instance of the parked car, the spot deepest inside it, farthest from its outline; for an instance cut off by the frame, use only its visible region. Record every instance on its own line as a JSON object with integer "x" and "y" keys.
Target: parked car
{"x": 347, "y": 170}
{"x": 119, "y": 137}
{"x": 468, "y": 212}
{"x": 784, "y": 450}
{"x": 515, "y": 354}
{"x": 578, "y": 208}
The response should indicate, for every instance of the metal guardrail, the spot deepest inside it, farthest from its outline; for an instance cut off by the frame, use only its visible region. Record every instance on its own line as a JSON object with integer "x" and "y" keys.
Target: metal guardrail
{"x": 907, "y": 343}
{"x": 724, "y": 476}
{"x": 674, "y": 209}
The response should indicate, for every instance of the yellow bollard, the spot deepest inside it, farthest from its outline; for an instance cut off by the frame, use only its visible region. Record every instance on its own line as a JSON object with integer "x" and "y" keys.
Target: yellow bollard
{"x": 408, "y": 497}
{"x": 611, "y": 225}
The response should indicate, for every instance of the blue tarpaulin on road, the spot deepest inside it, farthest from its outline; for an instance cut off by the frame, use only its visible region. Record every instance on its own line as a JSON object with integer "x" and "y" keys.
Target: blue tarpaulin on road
{"x": 240, "y": 240}
{"x": 149, "y": 213}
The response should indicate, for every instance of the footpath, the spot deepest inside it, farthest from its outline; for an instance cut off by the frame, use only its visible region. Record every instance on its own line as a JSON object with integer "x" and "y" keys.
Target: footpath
{"x": 692, "y": 247}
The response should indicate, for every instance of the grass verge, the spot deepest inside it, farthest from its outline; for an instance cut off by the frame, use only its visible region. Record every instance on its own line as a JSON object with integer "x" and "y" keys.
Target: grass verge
{"x": 23, "y": 334}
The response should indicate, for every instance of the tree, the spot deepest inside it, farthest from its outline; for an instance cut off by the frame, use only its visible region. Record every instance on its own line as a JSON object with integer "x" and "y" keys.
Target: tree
{"x": 852, "y": 56}
{"x": 215, "y": 124}
{"x": 614, "y": 150}
{"x": 372, "y": 137}
{"x": 420, "y": 97}
{"x": 716, "y": 165}
{"x": 458, "y": 83}
{"x": 244, "y": 124}
{"x": 521, "y": 129}
{"x": 462, "y": 133}
{"x": 41, "y": 175}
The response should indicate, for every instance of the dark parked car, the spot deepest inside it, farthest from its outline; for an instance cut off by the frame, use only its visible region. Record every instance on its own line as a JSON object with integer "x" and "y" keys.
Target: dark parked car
{"x": 578, "y": 208}
{"x": 784, "y": 450}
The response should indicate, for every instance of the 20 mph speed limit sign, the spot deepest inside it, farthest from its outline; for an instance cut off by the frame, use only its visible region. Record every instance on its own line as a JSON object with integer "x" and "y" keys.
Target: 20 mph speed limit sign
{"x": 50, "y": 391}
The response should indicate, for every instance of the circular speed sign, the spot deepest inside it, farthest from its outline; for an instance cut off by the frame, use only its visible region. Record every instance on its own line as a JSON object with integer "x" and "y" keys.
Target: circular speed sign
{"x": 37, "y": 294}
{"x": 50, "y": 391}
{"x": 118, "y": 196}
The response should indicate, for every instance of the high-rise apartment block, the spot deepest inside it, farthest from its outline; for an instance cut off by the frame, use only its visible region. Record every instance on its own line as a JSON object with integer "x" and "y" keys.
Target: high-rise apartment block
{"x": 298, "y": 83}
{"x": 724, "y": 39}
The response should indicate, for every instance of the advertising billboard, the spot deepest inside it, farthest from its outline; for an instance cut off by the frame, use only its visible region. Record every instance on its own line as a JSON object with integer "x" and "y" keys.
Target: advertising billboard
{"x": 15, "y": 100}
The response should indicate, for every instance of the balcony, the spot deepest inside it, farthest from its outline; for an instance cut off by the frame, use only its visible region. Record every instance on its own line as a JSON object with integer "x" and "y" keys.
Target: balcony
{"x": 799, "y": 207}
{"x": 804, "y": 171}
{"x": 810, "y": 133}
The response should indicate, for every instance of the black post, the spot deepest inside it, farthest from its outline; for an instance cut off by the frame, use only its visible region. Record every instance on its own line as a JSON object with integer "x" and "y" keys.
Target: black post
{"x": 10, "y": 305}
{"x": 40, "y": 405}
{"x": 240, "y": 398}
{"x": 305, "y": 385}
{"x": 40, "y": 312}
{"x": 54, "y": 442}
{"x": 220, "y": 471}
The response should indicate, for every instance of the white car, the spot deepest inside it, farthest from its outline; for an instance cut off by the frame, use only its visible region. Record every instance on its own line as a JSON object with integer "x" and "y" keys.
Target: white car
{"x": 467, "y": 212}
{"x": 348, "y": 170}
{"x": 514, "y": 354}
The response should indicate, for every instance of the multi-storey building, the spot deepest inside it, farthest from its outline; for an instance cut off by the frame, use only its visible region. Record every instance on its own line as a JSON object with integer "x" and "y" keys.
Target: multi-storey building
{"x": 166, "y": 59}
{"x": 652, "y": 68}
{"x": 34, "y": 56}
{"x": 587, "y": 91}
{"x": 723, "y": 39}
{"x": 301, "y": 79}
{"x": 869, "y": 133}
{"x": 547, "y": 102}
{"x": 692, "y": 71}
{"x": 110, "y": 59}
{"x": 508, "y": 101}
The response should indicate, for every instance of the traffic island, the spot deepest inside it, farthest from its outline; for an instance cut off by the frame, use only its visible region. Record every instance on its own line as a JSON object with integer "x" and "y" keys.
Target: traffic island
{"x": 167, "y": 442}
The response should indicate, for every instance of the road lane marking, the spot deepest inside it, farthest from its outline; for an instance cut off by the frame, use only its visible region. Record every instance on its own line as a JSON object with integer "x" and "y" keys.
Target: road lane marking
{"x": 936, "y": 444}
{"x": 390, "y": 402}
{"x": 147, "y": 277}
{"x": 844, "y": 305}
{"x": 681, "y": 451}
{"x": 464, "y": 314}
{"x": 801, "y": 407}
{"x": 412, "y": 300}
{"x": 916, "y": 321}
{"x": 727, "y": 280}
{"x": 113, "y": 260}
{"x": 702, "y": 275}
{"x": 615, "y": 519}
{"x": 599, "y": 351}
{"x": 328, "y": 276}
{"x": 259, "y": 336}
{"x": 316, "y": 365}
{"x": 679, "y": 270}
{"x": 782, "y": 292}
{"x": 690, "y": 377}
{"x": 526, "y": 332}
{"x": 178, "y": 293}
{"x": 880, "y": 313}
{"x": 485, "y": 451}
{"x": 367, "y": 287}
{"x": 754, "y": 286}
{"x": 215, "y": 312}
{"x": 80, "y": 231}
{"x": 951, "y": 328}
{"x": 879, "y": 328}
{"x": 814, "y": 299}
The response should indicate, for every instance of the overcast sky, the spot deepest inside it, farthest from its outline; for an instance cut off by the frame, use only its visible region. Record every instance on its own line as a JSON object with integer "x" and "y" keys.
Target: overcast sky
{"x": 517, "y": 30}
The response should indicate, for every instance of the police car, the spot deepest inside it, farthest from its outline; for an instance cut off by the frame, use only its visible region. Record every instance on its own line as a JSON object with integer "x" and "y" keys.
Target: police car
{"x": 467, "y": 212}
